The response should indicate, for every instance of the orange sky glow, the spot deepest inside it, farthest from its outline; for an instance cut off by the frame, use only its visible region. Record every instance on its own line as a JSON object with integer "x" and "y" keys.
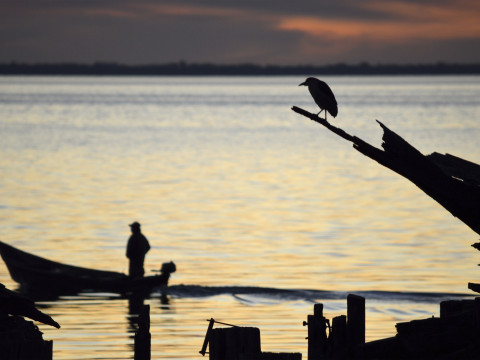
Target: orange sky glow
{"x": 413, "y": 21}
{"x": 147, "y": 31}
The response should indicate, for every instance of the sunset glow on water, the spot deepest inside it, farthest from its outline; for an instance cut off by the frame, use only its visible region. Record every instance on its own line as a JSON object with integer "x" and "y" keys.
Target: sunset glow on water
{"x": 238, "y": 191}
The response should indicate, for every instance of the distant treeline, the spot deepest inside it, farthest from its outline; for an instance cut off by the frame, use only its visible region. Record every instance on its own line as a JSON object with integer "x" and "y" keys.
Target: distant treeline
{"x": 183, "y": 68}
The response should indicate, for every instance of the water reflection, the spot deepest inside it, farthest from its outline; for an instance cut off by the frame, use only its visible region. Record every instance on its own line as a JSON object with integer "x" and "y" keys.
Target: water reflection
{"x": 105, "y": 324}
{"x": 136, "y": 303}
{"x": 233, "y": 187}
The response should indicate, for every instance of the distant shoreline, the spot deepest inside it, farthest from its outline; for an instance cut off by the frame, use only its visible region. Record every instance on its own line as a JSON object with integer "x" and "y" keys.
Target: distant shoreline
{"x": 207, "y": 69}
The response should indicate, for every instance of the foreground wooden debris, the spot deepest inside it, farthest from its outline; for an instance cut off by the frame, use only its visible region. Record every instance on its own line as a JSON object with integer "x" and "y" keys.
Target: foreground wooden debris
{"x": 238, "y": 343}
{"x": 20, "y": 339}
{"x": 453, "y": 335}
{"x": 474, "y": 286}
{"x": 339, "y": 338}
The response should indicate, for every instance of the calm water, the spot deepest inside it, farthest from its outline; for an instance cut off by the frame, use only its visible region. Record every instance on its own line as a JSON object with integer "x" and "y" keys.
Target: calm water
{"x": 247, "y": 197}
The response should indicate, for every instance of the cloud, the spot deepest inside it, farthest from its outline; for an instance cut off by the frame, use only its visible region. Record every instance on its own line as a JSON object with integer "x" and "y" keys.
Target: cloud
{"x": 142, "y": 10}
{"x": 403, "y": 22}
{"x": 268, "y": 31}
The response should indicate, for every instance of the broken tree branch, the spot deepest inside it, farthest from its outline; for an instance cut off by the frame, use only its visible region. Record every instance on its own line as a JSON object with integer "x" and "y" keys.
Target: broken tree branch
{"x": 436, "y": 175}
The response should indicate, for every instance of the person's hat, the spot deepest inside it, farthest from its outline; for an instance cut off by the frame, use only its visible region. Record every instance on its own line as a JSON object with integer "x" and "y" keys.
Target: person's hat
{"x": 135, "y": 225}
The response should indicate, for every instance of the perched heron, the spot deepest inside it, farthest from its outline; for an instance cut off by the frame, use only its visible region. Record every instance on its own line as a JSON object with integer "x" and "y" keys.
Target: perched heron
{"x": 323, "y": 96}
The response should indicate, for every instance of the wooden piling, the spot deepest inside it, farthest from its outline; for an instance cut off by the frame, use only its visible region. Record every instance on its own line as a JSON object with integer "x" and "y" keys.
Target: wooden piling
{"x": 234, "y": 343}
{"x": 317, "y": 334}
{"x": 355, "y": 320}
{"x": 142, "y": 336}
{"x": 211, "y": 322}
{"x": 318, "y": 310}
{"x": 338, "y": 337}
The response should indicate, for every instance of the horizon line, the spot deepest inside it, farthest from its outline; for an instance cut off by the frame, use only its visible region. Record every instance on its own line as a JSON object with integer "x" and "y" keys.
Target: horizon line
{"x": 208, "y": 68}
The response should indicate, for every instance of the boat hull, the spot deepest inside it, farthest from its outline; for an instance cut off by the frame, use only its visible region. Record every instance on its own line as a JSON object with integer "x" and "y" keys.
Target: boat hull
{"x": 35, "y": 273}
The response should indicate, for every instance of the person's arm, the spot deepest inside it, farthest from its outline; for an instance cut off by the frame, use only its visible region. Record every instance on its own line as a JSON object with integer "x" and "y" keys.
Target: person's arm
{"x": 147, "y": 245}
{"x": 129, "y": 250}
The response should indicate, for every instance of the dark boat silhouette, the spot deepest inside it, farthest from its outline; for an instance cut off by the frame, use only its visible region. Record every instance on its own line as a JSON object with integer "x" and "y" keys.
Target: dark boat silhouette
{"x": 36, "y": 274}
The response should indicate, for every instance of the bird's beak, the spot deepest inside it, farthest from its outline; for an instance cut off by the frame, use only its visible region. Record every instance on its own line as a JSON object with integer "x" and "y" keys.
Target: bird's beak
{"x": 304, "y": 83}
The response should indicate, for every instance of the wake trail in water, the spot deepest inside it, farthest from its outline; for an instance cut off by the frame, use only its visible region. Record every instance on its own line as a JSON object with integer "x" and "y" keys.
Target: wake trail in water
{"x": 186, "y": 291}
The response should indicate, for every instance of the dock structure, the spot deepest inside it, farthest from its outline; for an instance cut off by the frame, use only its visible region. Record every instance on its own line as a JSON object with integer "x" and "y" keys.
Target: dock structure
{"x": 346, "y": 332}
{"x": 21, "y": 339}
{"x": 453, "y": 335}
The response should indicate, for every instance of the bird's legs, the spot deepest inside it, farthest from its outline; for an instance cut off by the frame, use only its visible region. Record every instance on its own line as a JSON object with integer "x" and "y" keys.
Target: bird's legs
{"x": 325, "y": 113}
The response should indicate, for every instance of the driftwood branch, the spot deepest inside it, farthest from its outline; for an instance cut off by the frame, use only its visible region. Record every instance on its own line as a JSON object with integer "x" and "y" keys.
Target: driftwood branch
{"x": 451, "y": 181}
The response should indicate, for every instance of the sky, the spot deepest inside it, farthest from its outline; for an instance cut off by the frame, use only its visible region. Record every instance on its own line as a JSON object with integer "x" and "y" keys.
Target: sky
{"x": 280, "y": 32}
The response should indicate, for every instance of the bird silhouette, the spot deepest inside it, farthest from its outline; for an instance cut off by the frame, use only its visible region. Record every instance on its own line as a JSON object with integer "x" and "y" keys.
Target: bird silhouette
{"x": 323, "y": 96}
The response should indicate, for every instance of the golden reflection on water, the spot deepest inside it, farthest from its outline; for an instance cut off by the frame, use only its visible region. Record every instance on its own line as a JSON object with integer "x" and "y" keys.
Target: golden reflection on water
{"x": 93, "y": 329}
{"x": 267, "y": 223}
{"x": 237, "y": 191}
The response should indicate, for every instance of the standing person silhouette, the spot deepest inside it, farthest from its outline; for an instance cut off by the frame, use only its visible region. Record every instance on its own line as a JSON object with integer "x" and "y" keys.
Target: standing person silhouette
{"x": 137, "y": 248}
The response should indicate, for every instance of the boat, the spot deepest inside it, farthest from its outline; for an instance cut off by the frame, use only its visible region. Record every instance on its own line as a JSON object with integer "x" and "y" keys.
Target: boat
{"x": 36, "y": 274}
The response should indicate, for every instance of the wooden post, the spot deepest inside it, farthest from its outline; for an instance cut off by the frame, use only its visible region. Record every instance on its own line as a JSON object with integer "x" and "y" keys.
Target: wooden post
{"x": 207, "y": 337}
{"x": 231, "y": 343}
{"x": 355, "y": 320}
{"x": 338, "y": 337}
{"x": 142, "y": 336}
{"x": 318, "y": 310}
{"x": 317, "y": 335}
